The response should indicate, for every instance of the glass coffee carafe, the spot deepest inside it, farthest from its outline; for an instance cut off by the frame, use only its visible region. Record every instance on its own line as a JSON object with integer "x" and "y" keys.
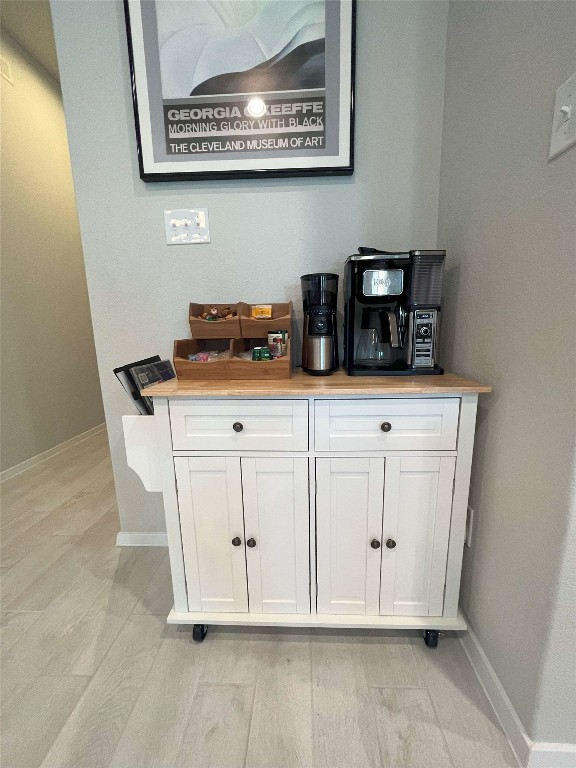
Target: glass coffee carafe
{"x": 374, "y": 344}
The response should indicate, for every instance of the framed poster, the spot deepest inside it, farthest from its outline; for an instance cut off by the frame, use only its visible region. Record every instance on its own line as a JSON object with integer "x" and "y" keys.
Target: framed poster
{"x": 236, "y": 89}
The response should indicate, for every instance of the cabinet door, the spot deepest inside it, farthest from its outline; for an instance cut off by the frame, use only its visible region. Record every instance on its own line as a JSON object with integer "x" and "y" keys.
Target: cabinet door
{"x": 276, "y": 515}
{"x": 210, "y": 505}
{"x": 417, "y": 509}
{"x": 349, "y": 499}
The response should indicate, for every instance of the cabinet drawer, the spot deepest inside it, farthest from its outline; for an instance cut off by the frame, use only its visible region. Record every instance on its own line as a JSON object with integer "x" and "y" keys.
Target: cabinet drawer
{"x": 429, "y": 424}
{"x": 239, "y": 425}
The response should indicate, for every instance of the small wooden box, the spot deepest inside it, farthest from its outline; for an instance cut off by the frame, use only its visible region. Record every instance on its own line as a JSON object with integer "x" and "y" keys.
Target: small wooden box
{"x": 251, "y": 328}
{"x": 232, "y": 368}
{"x": 214, "y": 329}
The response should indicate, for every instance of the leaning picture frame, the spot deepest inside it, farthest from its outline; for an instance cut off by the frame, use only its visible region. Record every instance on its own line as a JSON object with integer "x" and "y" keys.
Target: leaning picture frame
{"x": 225, "y": 89}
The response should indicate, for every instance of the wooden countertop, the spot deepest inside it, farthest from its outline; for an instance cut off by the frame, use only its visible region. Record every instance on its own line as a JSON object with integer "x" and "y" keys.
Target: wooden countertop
{"x": 339, "y": 383}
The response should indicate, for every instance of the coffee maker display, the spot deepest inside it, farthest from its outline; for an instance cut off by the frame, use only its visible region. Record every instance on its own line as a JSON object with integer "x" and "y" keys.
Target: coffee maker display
{"x": 320, "y": 338}
{"x": 391, "y": 312}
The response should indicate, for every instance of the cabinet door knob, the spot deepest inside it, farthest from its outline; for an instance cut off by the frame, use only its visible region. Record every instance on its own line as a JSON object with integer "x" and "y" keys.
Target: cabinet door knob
{"x": 251, "y": 543}
{"x": 390, "y": 543}
{"x": 385, "y": 426}
{"x": 236, "y": 541}
{"x": 375, "y": 544}
{"x": 237, "y": 426}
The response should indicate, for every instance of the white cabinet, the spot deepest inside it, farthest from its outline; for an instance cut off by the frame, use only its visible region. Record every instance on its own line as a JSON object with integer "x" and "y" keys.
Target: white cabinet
{"x": 342, "y": 507}
{"x": 212, "y": 525}
{"x": 417, "y": 508}
{"x": 276, "y": 517}
{"x": 245, "y": 532}
{"x": 383, "y": 528}
{"x": 239, "y": 425}
{"x": 382, "y": 424}
{"x": 348, "y": 518}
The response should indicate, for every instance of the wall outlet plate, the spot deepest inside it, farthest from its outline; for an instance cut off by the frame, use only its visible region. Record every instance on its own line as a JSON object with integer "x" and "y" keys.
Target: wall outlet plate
{"x": 564, "y": 120}
{"x": 186, "y": 226}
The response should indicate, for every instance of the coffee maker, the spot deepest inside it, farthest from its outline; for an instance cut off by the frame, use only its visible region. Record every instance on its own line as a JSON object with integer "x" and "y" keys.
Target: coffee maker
{"x": 319, "y": 340}
{"x": 391, "y": 312}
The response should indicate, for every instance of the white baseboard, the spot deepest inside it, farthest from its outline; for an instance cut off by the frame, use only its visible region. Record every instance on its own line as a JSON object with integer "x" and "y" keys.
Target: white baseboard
{"x": 544, "y": 754}
{"x": 530, "y": 754}
{"x": 136, "y": 539}
{"x": 35, "y": 460}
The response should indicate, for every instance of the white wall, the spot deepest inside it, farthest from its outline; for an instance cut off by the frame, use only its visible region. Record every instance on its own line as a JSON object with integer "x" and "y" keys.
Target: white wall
{"x": 508, "y": 221}
{"x": 265, "y": 234}
{"x": 50, "y": 387}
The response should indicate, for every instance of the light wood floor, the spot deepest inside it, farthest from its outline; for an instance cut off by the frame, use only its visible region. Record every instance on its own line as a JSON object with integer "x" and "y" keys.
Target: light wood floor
{"x": 92, "y": 675}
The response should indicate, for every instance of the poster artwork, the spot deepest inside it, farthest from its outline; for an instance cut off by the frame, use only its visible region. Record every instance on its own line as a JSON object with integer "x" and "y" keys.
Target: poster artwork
{"x": 242, "y": 77}
{"x": 242, "y": 88}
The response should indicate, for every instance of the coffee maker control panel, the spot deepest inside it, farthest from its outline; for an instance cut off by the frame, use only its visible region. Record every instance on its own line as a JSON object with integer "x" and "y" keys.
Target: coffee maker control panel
{"x": 424, "y": 337}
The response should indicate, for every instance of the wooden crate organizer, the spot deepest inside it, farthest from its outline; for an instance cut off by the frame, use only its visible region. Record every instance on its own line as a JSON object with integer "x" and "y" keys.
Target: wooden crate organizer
{"x": 251, "y": 328}
{"x": 214, "y": 329}
{"x": 233, "y": 368}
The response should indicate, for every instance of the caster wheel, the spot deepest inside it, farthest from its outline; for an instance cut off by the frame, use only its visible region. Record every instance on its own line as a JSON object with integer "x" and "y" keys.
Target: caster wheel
{"x": 431, "y": 637}
{"x": 199, "y": 632}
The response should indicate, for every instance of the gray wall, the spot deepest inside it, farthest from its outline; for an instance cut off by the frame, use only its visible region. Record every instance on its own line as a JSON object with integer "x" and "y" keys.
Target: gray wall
{"x": 265, "y": 234}
{"x": 50, "y": 387}
{"x": 507, "y": 218}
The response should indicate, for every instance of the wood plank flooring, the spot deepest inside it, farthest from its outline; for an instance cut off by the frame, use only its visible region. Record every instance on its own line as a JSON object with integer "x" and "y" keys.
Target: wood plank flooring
{"x": 92, "y": 677}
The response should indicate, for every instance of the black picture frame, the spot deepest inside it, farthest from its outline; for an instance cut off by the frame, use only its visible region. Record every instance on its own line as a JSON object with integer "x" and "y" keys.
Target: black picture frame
{"x": 152, "y": 170}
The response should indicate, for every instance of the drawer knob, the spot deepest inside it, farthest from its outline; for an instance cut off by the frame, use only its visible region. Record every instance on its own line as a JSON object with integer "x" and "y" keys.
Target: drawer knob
{"x": 236, "y": 541}
{"x": 385, "y": 426}
{"x": 237, "y": 426}
{"x": 390, "y": 543}
{"x": 251, "y": 543}
{"x": 375, "y": 544}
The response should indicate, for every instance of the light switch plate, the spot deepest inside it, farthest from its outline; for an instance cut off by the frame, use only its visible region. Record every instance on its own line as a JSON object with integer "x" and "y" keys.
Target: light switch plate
{"x": 564, "y": 121}
{"x": 469, "y": 527}
{"x": 187, "y": 225}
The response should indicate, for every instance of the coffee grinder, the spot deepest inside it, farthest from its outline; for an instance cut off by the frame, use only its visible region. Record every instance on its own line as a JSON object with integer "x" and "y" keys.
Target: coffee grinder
{"x": 319, "y": 340}
{"x": 391, "y": 312}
